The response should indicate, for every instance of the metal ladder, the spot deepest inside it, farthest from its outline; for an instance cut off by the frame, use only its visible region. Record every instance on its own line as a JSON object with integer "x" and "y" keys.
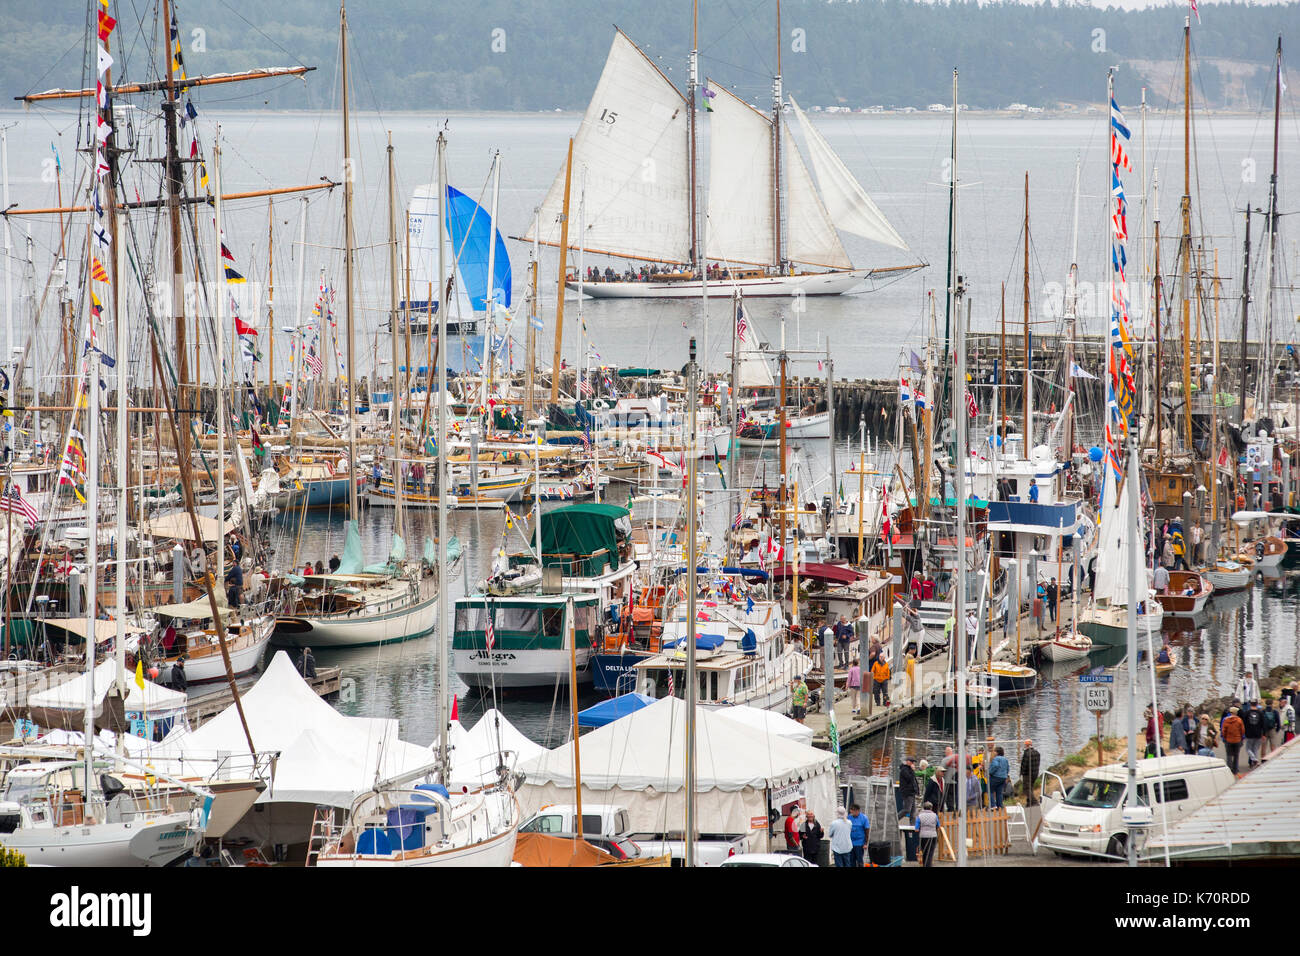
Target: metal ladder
{"x": 322, "y": 828}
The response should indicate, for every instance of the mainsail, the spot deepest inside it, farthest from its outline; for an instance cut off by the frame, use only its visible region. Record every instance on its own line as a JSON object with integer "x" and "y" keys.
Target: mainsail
{"x": 810, "y": 236}
{"x": 632, "y": 145}
{"x": 740, "y": 227}
{"x": 851, "y": 209}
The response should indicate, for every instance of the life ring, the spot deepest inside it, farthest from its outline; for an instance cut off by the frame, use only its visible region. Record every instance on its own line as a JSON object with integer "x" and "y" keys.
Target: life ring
{"x": 600, "y": 405}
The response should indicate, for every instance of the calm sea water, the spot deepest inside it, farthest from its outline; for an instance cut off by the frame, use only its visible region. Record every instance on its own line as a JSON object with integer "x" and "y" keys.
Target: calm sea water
{"x": 902, "y": 161}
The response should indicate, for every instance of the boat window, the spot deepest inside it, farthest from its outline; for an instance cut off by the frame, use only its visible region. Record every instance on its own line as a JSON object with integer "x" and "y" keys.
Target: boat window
{"x": 1089, "y": 792}
{"x": 713, "y": 686}
{"x": 553, "y": 621}
{"x": 584, "y": 618}
{"x": 1170, "y": 791}
{"x": 520, "y": 619}
{"x": 471, "y": 618}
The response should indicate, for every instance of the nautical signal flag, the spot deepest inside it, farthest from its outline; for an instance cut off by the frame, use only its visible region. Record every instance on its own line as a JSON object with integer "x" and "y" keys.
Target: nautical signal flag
{"x": 233, "y": 276}
{"x": 97, "y": 270}
{"x": 106, "y": 24}
{"x": 241, "y": 326}
{"x": 95, "y": 305}
{"x": 225, "y": 253}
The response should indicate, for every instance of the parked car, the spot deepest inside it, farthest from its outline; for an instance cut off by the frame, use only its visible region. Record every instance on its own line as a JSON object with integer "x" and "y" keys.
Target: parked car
{"x": 788, "y": 860}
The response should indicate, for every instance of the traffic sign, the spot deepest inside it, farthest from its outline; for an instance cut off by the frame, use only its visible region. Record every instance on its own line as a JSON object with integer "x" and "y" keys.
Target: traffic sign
{"x": 1097, "y": 679}
{"x": 1097, "y": 700}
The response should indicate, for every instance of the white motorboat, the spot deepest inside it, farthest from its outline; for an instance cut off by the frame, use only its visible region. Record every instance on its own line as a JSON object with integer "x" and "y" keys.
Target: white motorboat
{"x": 1066, "y": 646}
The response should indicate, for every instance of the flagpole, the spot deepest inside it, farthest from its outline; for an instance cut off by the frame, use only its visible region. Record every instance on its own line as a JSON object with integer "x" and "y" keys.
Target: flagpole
{"x": 218, "y": 334}
{"x": 298, "y": 344}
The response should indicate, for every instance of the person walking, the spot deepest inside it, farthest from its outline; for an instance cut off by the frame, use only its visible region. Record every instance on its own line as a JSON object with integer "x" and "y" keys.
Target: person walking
{"x": 1207, "y": 737}
{"x": 810, "y": 835}
{"x": 1272, "y": 728}
{"x": 1191, "y": 730}
{"x": 861, "y": 830}
{"x": 1255, "y": 727}
{"x": 949, "y": 770}
{"x": 799, "y": 698}
{"x": 1286, "y": 719}
{"x": 999, "y": 772}
{"x": 1178, "y": 736}
{"x": 1234, "y": 731}
{"x": 843, "y": 638}
{"x": 927, "y": 828}
{"x": 1154, "y": 732}
{"x": 841, "y": 834}
{"x": 1053, "y": 598}
{"x": 1247, "y": 688}
{"x": 1030, "y": 761}
{"x": 855, "y": 687}
{"x": 880, "y": 674}
{"x": 908, "y": 788}
{"x": 974, "y": 792}
{"x": 933, "y": 785}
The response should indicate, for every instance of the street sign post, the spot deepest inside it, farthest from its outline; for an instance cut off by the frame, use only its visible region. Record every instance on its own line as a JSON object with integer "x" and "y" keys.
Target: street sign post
{"x": 1097, "y": 699}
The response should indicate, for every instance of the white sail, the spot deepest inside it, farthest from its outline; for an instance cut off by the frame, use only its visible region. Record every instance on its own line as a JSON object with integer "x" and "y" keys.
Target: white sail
{"x": 810, "y": 236}
{"x": 425, "y": 231}
{"x": 851, "y": 209}
{"x": 740, "y": 228}
{"x": 1113, "y": 542}
{"x": 632, "y": 143}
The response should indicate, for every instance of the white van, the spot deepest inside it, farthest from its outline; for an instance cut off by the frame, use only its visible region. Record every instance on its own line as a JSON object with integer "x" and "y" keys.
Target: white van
{"x": 1089, "y": 819}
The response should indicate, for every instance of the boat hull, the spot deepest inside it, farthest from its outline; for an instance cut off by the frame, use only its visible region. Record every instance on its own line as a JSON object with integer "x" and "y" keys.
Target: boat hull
{"x": 816, "y": 283}
{"x": 1108, "y": 627}
{"x": 243, "y": 660}
{"x": 484, "y": 669}
{"x": 1065, "y": 650}
{"x": 154, "y": 843}
{"x": 358, "y": 629}
{"x": 615, "y": 673}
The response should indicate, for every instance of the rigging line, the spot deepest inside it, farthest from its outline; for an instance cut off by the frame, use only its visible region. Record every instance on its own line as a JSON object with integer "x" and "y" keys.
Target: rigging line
{"x": 261, "y": 32}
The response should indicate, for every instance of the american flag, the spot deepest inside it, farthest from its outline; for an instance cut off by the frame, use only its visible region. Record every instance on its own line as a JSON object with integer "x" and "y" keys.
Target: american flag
{"x": 313, "y": 361}
{"x": 972, "y": 409}
{"x": 491, "y": 633}
{"x": 741, "y": 326}
{"x": 584, "y": 387}
{"x": 672, "y": 685}
{"x": 13, "y": 501}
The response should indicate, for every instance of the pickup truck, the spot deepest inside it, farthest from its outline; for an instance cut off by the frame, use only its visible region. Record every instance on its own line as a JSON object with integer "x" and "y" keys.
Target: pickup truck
{"x": 711, "y": 849}
{"x": 610, "y": 822}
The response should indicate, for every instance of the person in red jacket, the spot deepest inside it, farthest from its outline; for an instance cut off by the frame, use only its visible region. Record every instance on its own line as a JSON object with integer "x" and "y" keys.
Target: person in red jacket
{"x": 1234, "y": 731}
{"x": 1154, "y": 732}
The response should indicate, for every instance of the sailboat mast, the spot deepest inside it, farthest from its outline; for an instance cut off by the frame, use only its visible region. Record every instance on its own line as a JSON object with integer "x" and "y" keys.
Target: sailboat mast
{"x": 396, "y": 405}
{"x": 1185, "y": 251}
{"x": 270, "y": 300}
{"x": 1245, "y": 308}
{"x": 559, "y": 292}
{"x": 950, "y": 299}
{"x": 960, "y": 638}
{"x": 218, "y": 334}
{"x": 777, "y": 252}
{"x": 1029, "y": 358}
{"x": 444, "y": 474}
{"x": 174, "y": 188}
{"x": 490, "y": 301}
{"x": 1266, "y": 362}
{"x": 692, "y": 684}
{"x": 1160, "y": 293}
{"x": 299, "y": 346}
{"x": 353, "y": 511}
{"x": 531, "y": 337}
{"x": 697, "y": 254}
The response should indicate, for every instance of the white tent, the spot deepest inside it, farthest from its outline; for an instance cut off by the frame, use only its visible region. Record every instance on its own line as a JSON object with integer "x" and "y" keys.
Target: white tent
{"x": 474, "y": 751}
{"x": 325, "y": 757}
{"x": 71, "y": 694}
{"x": 638, "y": 762}
{"x": 768, "y": 722}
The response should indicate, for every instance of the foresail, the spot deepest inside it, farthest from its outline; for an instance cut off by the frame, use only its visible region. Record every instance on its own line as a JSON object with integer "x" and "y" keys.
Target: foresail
{"x": 424, "y": 232}
{"x": 810, "y": 236}
{"x": 740, "y": 228}
{"x": 632, "y": 145}
{"x": 1113, "y": 542}
{"x": 850, "y": 208}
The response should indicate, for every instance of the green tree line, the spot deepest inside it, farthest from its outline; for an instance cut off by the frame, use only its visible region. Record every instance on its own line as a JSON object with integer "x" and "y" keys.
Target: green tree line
{"x": 547, "y": 54}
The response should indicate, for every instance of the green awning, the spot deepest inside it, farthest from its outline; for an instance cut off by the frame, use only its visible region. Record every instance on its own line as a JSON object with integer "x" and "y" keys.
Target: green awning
{"x": 581, "y": 538}
{"x": 639, "y": 372}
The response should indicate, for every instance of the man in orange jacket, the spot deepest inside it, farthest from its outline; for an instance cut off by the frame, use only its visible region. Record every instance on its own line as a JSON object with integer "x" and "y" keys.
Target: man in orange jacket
{"x": 880, "y": 675}
{"x": 1234, "y": 731}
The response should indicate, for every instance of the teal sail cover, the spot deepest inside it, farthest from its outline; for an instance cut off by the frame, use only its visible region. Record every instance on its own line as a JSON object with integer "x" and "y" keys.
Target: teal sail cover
{"x": 351, "y": 561}
{"x": 396, "y": 555}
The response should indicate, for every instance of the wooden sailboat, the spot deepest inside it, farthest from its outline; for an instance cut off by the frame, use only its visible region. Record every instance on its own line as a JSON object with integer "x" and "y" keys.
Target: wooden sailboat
{"x": 771, "y": 232}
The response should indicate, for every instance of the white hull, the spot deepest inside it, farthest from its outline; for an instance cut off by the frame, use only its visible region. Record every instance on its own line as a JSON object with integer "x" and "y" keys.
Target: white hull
{"x": 487, "y": 669}
{"x": 360, "y": 629}
{"x": 1067, "y": 648}
{"x": 497, "y": 851}
{"x": 244, "y": 659}
{"x": 150, "y": 843}
{"x": 1229, "y": 580}
{"x": 817, "y": 283}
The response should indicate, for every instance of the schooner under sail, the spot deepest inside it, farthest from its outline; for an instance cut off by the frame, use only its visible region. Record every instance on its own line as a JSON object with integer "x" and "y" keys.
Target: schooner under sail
{"x": 767, "y": 223}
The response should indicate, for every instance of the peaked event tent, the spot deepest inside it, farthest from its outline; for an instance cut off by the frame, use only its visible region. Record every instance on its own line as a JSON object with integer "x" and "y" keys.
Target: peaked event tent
{"x": 325, "y": 757}
{"x": 637, "y": 762}
{"x": 71, "y": 694}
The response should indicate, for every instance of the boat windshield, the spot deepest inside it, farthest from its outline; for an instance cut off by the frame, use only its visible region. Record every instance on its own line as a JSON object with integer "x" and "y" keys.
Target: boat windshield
{"x": 1089, "y": 792}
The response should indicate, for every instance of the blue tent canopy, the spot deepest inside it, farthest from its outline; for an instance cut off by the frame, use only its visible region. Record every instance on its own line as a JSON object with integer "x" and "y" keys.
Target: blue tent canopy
{"x": 608, "y": 711}
{"x": 755, "y": 573}
{"x": 703, "y": 642}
